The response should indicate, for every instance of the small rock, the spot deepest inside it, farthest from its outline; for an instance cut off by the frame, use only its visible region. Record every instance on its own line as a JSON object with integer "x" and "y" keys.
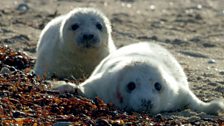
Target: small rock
{"x": 196, "y": 123}
{"x": 63, "y": 124}
{"x": 2, "y": 30}
{"x": 22, "y": 38}
{"x": 115, "y": 112}
{"x": 198, "y": 17}
{"x": 189, "y": 11}
{"x": 138, "y": 12}
{"x": 22, "y": 8}
{"x": 212, "y": 83}
{"x": 5, "y": 70}
{"x": 105, "y": 4}
{"x": 128, "y": 0}
{"x": 221, "y": 72}
{"x": 6, "y": 46}
{"x": 199, "y": 6}
{"x": 17, "y": 114}
{"x": 118, "y": 122}
{"x": 219, "y": 89}
{"x": 194, "y": 54}
{"x": 211, "y": 61}
{"x": 129, "y": 5}
{"x": 102, "y": 122}
{"x": 171, "y": 3}
{"x": 123, "y": 4}
{"x": 152, "y": 7}
{"x": 209, "y": 45}
{"x": 30, "y": 49}
{"x": 158, "y": 117}
{"x": 194, "y": 119}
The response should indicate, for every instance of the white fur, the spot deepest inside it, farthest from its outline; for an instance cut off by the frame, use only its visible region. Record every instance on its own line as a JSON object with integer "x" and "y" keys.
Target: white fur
{"x": 62, "y": 52}
{"x": 144, "y": 64}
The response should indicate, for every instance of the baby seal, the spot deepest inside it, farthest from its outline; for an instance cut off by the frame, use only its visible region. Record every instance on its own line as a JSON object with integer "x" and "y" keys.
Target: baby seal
{"x": 74, "y": 43}
{"x": 143, "y": 77}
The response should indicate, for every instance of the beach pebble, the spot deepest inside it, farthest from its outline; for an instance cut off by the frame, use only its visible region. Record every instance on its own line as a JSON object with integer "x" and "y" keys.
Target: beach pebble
{"x": 5, "y": 70}
{"x": 129, "y": 5}
{"x": 194, "y": 119}
{"x": 221, "y": 72}
{"x": 63, "y": 124}
{"x": 199, "y": 6}
{"x": 22, "y": 8}
{"x": 211, "y": 61}
{"x": 152, "y": 7}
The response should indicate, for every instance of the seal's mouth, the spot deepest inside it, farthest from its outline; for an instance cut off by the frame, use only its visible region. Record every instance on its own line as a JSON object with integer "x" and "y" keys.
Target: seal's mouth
{"x": 146, "y": 105}
{"x": 87, "y": 45}
{"x": 90, "y": 44}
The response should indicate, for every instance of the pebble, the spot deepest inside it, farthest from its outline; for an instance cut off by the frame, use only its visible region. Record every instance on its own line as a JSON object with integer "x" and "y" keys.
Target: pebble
{"x": 158, "y": 117}
{"x": 219, "y": 89}
{"x": 199, "y": 6}
{"x": 119, "y": 122}
{"x": 193, "y": 54}
{"x": 123, "y": 4}
{"x": 189, "y": 11}
{"x": 105, "y": 4}
{"x": 129, "y": 5}
{"x": 5, "y": 70}
{"x": 138, "y": 12}
{"x": 22, "y": 8}
{"x": 126, "y": 5}
{"x": 221, "y": 72}
{"x": 194, "y": 119}
{"x": 152, "y": 7}
{"x": 102, "y": 122}
{"x": 211, "y": 61}
{"x": 17, "y": 114}
{"x": 63, "y": 124}
{"x": 2, "y": 30}
{"x": 171, "y": 3}
{"x": 29, "y": 49}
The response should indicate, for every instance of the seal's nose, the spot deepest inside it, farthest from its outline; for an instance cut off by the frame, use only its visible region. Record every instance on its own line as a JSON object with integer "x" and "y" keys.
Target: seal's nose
{"x": 88, "y": 37}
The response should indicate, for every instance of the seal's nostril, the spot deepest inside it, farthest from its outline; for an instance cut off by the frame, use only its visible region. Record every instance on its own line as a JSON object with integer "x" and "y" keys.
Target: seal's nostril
{"x": 88, "y": 36}
{"x": 91, "y": 36}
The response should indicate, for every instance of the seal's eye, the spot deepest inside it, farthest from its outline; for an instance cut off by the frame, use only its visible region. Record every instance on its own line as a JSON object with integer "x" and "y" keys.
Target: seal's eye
{"x": 75, "y": 27}
{"x": 157, "y": 86}
{"x": 131, "y": 86}
{"x": 99, "y": 26}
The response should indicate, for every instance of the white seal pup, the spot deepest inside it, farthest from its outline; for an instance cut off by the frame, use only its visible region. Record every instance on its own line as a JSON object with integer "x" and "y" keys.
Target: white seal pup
{"x": 143, "y": 77}
{"x": 74, "y": 43}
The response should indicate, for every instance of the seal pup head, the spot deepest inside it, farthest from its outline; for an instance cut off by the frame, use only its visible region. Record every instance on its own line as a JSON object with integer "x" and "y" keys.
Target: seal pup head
{"x": 85, "y": 28}
{"x": 142, "y": 87}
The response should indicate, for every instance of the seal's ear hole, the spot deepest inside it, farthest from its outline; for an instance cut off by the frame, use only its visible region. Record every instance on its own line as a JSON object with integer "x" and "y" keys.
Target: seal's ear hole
{"x": 131, "y": 86}
{"x": 158, "y": 86}
{"x": 99, "y": 26}
{"x": 75, "y": 26}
